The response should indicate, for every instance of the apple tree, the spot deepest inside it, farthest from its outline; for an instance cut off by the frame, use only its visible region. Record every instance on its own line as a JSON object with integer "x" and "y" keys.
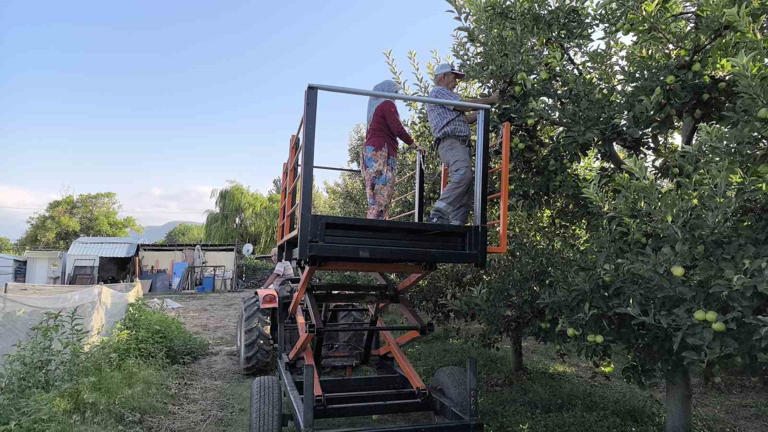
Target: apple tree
{"x": 667, "y": 101}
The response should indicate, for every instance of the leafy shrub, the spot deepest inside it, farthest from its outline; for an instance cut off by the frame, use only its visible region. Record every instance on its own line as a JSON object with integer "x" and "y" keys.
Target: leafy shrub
{"x": 56, "y": 382}
{"x": 256, "y": 271}
{"x": 147, "y": 334}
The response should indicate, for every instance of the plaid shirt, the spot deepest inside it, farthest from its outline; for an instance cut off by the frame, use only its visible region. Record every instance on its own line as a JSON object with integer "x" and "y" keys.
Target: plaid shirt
{"x": 443, "y": 120}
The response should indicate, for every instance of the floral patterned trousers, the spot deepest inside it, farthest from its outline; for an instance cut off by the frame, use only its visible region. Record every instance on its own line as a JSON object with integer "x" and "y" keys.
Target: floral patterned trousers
{"x": 379, "y": 171}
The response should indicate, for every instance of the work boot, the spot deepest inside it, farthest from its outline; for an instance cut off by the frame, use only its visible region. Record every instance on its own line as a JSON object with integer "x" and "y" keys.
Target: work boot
{"x": 438, "y": 216}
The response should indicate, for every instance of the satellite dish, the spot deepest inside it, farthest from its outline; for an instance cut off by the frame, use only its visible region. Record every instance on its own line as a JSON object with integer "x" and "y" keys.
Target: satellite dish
{"x": 247, "y": 249}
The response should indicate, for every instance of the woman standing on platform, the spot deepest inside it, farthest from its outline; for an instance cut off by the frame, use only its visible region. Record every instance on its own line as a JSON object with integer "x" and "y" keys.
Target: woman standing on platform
{"x": 379, "y": 155}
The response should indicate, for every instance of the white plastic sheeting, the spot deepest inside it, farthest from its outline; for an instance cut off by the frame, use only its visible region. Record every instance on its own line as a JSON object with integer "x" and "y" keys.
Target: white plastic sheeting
{"x": 23, "y": 306}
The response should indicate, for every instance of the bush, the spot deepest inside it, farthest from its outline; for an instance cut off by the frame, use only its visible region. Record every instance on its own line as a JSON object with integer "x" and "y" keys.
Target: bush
{"x": 146, "y": 334}
{"x": 55, "y": 381}
{"x": 256, "y": 271}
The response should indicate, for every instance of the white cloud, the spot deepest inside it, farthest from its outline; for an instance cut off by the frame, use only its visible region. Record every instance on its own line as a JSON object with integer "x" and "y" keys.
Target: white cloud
{"x": 157, "y": 206}
{"x": 16, "y": 206}
{"x": 16, "y": 197}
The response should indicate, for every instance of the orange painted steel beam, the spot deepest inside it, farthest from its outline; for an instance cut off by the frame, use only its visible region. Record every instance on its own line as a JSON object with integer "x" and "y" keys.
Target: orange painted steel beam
{"x": 291, "y": 235}
{"x": 309, "y": 358}
{"x": 292, "y": 153}
{"x": 370, "y": 267}
{"x": 411, "y": 280}
{"x": 401, "y": 215}
{"x": 401, "y": 360}
{"x": 302, "y": 343}
{"x": 281, "y": 214}
{"x": 303, "y": 284}
{"x": 402, "y": 340}
{"x": 405, "y": 177}
{"x": 444, "y": 178}
{"x": 503, "y": 193}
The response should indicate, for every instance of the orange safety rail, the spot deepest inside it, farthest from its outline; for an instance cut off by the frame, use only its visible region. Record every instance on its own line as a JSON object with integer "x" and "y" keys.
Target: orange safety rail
{"x": 503, "y": 194}
{"x": 287, "y": 218}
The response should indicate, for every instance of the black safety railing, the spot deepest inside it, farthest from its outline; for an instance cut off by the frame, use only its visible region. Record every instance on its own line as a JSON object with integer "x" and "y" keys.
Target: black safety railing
{"x": 295, "y": 209}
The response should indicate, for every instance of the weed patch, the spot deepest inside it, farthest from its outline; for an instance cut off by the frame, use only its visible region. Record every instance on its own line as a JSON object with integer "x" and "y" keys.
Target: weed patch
{"x": 55, "y": 382}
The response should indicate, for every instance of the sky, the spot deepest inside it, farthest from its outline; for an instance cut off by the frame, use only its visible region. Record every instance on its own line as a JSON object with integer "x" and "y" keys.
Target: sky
{"x": 162, "y": 102}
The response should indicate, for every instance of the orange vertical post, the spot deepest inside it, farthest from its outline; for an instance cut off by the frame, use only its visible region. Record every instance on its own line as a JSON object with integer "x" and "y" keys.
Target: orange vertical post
{"x": 281, "y": 211}
{"x": 503, "y": 190}
{"x": 289, "y": 193}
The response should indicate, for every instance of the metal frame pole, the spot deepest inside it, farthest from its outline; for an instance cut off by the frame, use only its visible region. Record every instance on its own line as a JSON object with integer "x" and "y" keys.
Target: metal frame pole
{"x": 481, "y": 182}
{"x": 308, "y": 163}
{"x": 418, "y": 198}
{"x": 309, "y": 399}
{"x": 472, "y": 387}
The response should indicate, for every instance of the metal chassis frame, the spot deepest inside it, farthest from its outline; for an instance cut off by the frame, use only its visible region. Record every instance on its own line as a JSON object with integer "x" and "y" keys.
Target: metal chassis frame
{"x": 381, "y": 394}
{"x": 397, "y": 392}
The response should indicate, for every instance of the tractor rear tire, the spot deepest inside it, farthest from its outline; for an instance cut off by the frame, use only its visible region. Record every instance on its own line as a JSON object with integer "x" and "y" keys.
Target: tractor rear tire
{"x": 266, "y": 405}
{"x": 254, "y": 344}
{"x": 450, "y": 384}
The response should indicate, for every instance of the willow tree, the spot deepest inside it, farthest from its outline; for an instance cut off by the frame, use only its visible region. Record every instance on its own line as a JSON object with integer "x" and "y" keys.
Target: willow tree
{"x": 243, "y": 216}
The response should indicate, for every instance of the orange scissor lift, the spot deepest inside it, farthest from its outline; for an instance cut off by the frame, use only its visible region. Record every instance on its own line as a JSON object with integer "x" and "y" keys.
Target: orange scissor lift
{"x": 309, "y": 315}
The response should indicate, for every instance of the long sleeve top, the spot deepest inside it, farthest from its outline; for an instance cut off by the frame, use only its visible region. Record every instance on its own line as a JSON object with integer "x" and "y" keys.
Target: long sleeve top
{"x": 385, "y": 128}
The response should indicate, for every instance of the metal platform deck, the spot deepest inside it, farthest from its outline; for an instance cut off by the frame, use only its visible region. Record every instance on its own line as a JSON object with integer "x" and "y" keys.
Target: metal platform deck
{"x": 366, "y": 240}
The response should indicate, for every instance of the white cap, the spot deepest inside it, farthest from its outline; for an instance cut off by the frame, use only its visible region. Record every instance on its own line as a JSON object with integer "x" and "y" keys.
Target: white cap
{"x": 445, "y": 68}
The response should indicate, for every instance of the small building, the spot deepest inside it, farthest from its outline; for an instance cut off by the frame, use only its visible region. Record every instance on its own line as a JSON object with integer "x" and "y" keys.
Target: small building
{"x": 186, "y": 264}
{"x": 101, "y": 260}
{"x": 11, "y": 268}
{"x": 45, "y": 267}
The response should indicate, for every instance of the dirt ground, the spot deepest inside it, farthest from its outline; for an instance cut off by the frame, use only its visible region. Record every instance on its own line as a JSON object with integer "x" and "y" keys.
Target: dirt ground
{"x": 211, "y": 394}
{"x": 208, "y": 394}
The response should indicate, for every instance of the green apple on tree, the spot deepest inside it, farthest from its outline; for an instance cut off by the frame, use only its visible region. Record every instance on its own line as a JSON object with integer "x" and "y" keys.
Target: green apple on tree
{"x": 711, "y": 316}
{"x": 677, "y": 270}
{"x": 700, "y": 315}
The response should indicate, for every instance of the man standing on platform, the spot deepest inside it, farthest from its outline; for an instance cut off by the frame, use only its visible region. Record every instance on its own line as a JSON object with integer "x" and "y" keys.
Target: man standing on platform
{"x": 450, "y": 127}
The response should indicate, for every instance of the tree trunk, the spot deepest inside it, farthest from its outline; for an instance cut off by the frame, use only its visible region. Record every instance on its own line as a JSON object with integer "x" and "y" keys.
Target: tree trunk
{"x": 517, "y": 351}
{"x": 678, "y": 400}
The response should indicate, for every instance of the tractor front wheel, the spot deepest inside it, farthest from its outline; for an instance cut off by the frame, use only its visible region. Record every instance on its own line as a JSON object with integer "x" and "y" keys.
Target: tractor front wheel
{"x": 254, "y": 343}
{"x": 266, "y": 405}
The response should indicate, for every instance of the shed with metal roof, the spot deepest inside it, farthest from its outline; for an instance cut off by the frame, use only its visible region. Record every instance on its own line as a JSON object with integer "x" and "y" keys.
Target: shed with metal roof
{"x": 101, "y": 259}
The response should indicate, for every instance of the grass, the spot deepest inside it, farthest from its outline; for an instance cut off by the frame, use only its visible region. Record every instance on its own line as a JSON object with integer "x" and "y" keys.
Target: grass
{"x": 55, "y": 382}
{"x": 550, "y": 396}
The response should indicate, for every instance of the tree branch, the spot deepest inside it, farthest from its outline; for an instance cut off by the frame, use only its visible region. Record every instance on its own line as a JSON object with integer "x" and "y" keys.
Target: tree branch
{"x": 570, "y": 58}
{"x": 690, "y": 125}
{"x": 611, "y": 154}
